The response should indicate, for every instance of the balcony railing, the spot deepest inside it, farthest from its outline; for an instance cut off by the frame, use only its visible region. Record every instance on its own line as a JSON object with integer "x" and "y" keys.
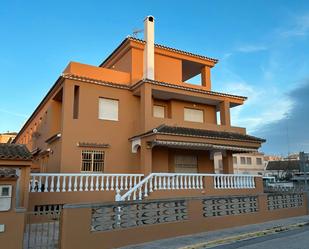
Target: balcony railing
{"x": 136, "y": 186}
{"x": 183, "y": 181}
{"x": 61, "y": 182}
{"x": 225, "y": 181}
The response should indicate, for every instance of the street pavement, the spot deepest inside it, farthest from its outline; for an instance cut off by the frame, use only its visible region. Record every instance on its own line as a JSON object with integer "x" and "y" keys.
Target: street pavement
{"x": 294, "y": 239}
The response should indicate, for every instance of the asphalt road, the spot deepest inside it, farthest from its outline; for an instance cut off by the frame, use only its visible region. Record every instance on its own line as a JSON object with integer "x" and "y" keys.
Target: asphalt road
{"x": 293, "y": 239}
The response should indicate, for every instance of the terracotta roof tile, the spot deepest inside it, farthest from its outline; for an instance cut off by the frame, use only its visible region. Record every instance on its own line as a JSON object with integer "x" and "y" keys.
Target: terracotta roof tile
{"x": 130, "y": 38}
{"x": 14, "y": 152}
{"x": 7, "y": 173}
{"x": 175, "y": 50}
{"x": 189, "y": 87}
{"x": 191, "y": 132}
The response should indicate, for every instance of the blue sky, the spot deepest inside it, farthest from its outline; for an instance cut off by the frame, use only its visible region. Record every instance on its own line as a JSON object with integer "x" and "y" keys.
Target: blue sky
{"x": 263, "y": 48}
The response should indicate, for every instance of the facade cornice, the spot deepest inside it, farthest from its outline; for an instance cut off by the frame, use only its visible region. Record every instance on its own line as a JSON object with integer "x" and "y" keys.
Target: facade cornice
{"x": 53, "y": 89}
{"x": 187, "y": 88}
{"x": 159, "y": 46}
{"x": 95, "y": 81}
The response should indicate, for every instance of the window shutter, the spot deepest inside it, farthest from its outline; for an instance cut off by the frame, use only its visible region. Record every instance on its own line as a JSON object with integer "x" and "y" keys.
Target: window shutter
{"x": 108, "y": 109}
{"x": 159, "y": 111}
{"x": 186, "y": 164}
{"x": 193, "y": 115}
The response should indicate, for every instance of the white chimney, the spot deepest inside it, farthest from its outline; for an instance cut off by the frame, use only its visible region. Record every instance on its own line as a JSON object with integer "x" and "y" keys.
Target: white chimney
{"x": 149, "y": 48}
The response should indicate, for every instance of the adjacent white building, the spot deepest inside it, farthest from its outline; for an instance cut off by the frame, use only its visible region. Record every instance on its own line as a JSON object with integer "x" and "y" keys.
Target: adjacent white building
{"x": 244, "y": 163}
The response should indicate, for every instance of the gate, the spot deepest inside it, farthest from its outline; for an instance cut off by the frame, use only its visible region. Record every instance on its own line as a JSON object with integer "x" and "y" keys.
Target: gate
{"x": 42, "y": 227}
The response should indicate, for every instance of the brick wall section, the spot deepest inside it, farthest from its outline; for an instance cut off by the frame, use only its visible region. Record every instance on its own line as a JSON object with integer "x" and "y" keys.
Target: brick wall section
{"x": 85, "y": 221}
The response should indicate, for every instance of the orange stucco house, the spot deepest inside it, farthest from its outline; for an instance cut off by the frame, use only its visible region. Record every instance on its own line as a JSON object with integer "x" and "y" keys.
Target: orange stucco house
{"x": 136, "y": 113}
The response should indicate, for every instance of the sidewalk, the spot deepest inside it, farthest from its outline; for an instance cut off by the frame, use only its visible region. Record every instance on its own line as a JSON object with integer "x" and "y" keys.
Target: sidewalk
{"x": 190, "y": 240}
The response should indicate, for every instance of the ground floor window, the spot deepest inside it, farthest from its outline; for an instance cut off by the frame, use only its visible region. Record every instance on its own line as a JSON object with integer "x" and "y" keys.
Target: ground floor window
{"x": 92, "y": 161}
{"x": 186, "y": 164}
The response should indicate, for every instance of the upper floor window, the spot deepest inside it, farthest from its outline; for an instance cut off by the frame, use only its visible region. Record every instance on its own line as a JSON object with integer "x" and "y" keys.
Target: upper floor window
{"x": 259, "y": 161}
{"x": 159, "y": 111}
{"x": 249, "y": 160}
{"x": 242, "y": 160}
{"x": 193, "y": 115}
{"x": 92, "y": 161}
{"x": 108, "y": 109}
{"x": 234, "y": 159}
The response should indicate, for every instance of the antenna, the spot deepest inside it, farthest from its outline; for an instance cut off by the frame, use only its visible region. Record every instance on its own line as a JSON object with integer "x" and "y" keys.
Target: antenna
{"x": 136, "y": 32}
{"x": 287, "y": 135}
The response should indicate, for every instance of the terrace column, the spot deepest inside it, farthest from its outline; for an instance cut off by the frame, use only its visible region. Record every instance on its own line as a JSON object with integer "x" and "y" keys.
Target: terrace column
{"x": 145, "y": 157}
{"x": 225, "y": 113}
{"x": 205, "y": 74}
{"x": 146, "y": 107}
{"x": 227, "y": 161}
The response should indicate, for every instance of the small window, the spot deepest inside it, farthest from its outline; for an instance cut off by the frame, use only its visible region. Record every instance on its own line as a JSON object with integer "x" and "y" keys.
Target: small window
{"x": 242, "y": 160}
{"x": 159, "y": 111}
{"x": 5, "y": 192}
{"x": 92, "y": 161}
{"x": 193, "y": 115}
{"x": 234, "y": 159}
{"x": 108, "y": 109}
{"x": 259, "y": 161}
{"x": 249, "y": 160}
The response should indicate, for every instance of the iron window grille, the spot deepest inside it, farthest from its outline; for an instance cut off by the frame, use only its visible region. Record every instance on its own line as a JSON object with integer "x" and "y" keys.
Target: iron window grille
{"x": 92, "y": 161}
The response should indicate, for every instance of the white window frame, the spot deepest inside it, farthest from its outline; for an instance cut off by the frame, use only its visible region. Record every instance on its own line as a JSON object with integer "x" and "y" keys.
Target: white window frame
{"x": 190, "y": 112}
{"x": 159, "y": 108}
{"x": 104, "y": 114}
{"x": 92, "y": 160}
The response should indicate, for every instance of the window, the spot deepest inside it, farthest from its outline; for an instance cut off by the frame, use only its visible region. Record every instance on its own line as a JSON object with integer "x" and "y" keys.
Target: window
{"x": 92, "y": 161}
{"x": 108, "y": 109}
{"x": 242, "y": 160}
{"x": 76, "y": 102}
{"x": 234, "y": 159}
{"x": 193, "y": 115}
{"x": 259, "y": 161}
{"x": 249, "y": 160}
{"x": 5, "y": 192}
{"x": 159, "y": 111}
{"x": 186, "y": 164}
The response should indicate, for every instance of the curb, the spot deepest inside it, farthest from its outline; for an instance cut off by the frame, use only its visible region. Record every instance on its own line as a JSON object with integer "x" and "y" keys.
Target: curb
{"x": 246, "y": 236}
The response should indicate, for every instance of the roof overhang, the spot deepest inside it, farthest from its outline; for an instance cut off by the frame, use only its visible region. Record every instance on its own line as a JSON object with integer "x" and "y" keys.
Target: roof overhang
{"x": 187, "y": 92}
{"x": 199, "y": 146}
{"x": 159, "y": 49}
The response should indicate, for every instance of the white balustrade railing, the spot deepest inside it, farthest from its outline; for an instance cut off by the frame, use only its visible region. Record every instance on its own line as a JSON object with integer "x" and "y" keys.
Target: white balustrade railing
{"x": 183, "y": 181}
{"x": 227, "y": 181}
{"x": 163, "y": 181}
{"x": 62, "y": 182}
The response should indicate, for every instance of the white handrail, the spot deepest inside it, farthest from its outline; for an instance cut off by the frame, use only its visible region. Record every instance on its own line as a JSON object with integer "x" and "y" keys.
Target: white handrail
{"x": 175, "y": 181}
{"x": 163, "y": 181}
{"x": 73, "y": 182}
{"x": 133, "y": 190}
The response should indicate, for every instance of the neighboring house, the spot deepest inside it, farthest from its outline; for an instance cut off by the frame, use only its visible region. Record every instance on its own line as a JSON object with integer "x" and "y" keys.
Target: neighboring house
{"x": 293, "y": 156}
{"x": 250, "y": 163}
{"x": 243, "y": 163}
{"x": 281, "y": 169}
{"x": 136, "y": 113}
{"x": 268, "y": 158}
{"x": 7, "y": 137}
